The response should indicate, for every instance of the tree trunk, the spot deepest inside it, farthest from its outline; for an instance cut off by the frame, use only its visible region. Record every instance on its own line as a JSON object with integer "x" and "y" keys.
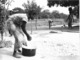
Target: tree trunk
{"x": 2, "y": 35}
{"x": 70, "y": 21}
{"x": 31, "y": 26}
{"x": 36, "y": 24}
{"x": 49, "y": 24}
{"x": 69, "y": 24}
{"x": 1, "y": 28}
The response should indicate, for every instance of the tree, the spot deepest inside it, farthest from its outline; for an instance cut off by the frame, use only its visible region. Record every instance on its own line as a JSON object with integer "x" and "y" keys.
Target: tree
{"x": 63, "y": 16}
{"x": 76, "y": 11}
{"x": 65, "y": 3}
{"x": 56, "y": 14}
{"x": 3, "y": 14}
{"x": 32, "y": 10}
{"x": 3, "y": 1}
{"x": 45, "y": 14}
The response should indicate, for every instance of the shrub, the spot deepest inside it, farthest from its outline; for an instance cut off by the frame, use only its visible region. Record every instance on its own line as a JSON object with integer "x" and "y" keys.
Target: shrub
{"x": 5, "y": 44}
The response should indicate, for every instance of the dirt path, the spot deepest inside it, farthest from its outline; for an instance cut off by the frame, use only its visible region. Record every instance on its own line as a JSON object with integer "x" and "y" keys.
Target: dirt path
{"x": 49, "y": 46}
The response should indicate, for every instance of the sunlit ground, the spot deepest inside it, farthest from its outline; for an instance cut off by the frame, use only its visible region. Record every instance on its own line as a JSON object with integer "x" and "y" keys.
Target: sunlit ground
{"x": 50, "y": 45}
{"x": 57, "y": 43}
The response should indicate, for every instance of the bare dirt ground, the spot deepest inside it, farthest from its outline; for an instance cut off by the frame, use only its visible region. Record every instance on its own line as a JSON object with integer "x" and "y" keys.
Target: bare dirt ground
{"x": 51, "y": 44}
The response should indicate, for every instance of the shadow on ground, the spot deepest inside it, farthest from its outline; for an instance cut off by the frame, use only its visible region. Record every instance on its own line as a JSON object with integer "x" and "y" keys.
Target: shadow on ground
{"x": 74, "y": 29}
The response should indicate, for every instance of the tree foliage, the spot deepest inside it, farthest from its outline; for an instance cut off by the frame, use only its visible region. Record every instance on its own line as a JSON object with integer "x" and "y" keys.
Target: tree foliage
{"x": 3, "y": 1}
{"x": 32, "y": 9}
{"x": 55, "y": 14}
{"x": 76, "y": 11}
{"x": 45, "y": 14}
{"x": 64, "y": 3}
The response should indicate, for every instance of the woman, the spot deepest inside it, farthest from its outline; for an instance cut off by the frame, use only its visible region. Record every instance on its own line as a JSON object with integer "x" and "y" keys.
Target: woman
{"x": 16, "y": 25}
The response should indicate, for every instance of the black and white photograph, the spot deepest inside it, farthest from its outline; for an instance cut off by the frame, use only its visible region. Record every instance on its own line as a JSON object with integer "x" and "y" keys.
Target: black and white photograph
{"x": 39, "y": 30}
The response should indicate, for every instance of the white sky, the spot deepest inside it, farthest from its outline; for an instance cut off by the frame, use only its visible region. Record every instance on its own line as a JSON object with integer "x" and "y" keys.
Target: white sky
{"x": 42, "y": 3}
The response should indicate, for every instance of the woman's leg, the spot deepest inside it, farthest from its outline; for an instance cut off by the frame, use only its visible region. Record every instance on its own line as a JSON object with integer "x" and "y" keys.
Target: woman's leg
{"x": 17, "y": 45}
